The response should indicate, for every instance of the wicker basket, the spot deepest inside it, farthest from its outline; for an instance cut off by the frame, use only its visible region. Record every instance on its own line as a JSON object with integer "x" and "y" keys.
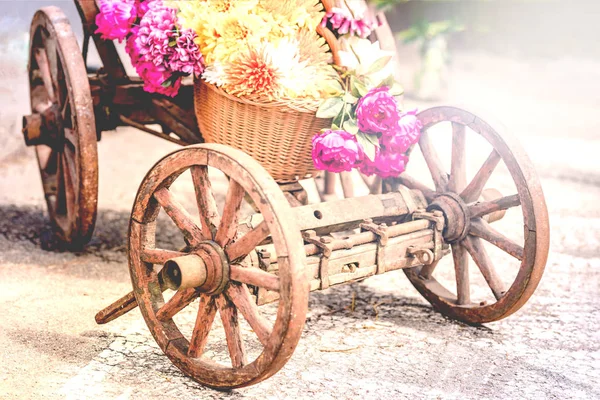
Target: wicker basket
{"x": 278, "y": 135}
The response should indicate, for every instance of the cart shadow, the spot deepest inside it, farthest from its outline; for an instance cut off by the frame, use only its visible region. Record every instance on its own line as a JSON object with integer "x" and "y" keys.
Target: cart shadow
{"x": 361, "y": 302}
{"x": 30, "y": 224}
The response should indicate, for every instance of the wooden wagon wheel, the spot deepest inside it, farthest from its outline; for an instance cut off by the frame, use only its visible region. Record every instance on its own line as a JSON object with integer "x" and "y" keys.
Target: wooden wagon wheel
{"x": 214, "y": 241}
{"x": 466, "y": 227}
{"x": 65, "y": 143}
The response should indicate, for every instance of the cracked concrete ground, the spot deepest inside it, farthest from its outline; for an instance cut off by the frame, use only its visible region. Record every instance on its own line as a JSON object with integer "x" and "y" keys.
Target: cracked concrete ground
{"x": 390, "y": 345}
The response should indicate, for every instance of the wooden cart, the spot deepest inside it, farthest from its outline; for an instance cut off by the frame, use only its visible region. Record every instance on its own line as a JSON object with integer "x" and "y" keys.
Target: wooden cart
{"x": 286, "y": 248}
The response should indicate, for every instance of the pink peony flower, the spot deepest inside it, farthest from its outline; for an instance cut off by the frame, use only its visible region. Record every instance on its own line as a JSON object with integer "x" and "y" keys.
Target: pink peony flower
{"x": 342, "y": 21}
{"x": 407, "y": 133}
{"x": 336, "y": 151}
{"x": 154, "y": 76}
{"x": 377, "y": 112}
{"x": 144, "y": 5}
{"x": 115, "y": 18}
{"x": 387, "y": 164}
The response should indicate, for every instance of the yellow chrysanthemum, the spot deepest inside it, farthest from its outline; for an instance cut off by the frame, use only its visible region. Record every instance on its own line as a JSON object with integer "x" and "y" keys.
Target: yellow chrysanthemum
{"x": 238, "y": 31}
{"x": 206, "y": 17}
{"x": 302, "y": 13}
{"x": 313, "y": 47}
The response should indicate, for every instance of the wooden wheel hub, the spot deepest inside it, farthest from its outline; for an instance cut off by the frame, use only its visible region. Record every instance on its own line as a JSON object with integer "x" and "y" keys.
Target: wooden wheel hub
{"x": 456, "y": 215}
{"x": 206, "y": 269}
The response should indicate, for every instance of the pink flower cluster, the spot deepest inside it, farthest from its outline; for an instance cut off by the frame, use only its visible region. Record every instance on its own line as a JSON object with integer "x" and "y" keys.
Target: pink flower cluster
{"x": 377, "y": 114}
{"x": 336, "y": 151}
{"x": 343, "y": 22}
{"x": 160, "y": 51}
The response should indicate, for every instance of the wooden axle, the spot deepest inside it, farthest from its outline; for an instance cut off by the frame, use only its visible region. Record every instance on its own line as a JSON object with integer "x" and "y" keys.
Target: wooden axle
{"x": 42, "y": 127}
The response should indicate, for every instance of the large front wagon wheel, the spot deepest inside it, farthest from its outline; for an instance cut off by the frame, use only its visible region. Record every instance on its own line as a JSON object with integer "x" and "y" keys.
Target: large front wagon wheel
{"x": 215, "y": 249}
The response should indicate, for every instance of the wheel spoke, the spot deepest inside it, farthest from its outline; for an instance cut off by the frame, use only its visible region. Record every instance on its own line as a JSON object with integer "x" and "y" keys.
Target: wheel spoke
{"x": 254, "y": 277}
{"x": 412, "y": 183}
{"x": 482, "y": 229}
{"x": 61, "y": 200}
{"x": 44, "y": 67}
{"x": 71, "y": 138}
{"x": 61, "y": 88}
{"x": 232, "y": 332}
{"x": 461, "y": 270}
{"x": 180, "y": 216}
{"x": 440, "y": 178}
{"x": 240, "y": 296}
{"x": 209, "y": 214}
{"x": 204, "y": 320}
{"x": 68, "y": 156}
{"x": 472, "y": 192}
{"x": 229, "y": 220}
{"x": 475, "y": 248}
{"x": 243, "y": 246}
{"x": 477, "y": 210}
{"x": 159, "y": 256}
{"x": 69, "y": 177}
{"x": 458, "y": 168}
{"x": 178, "y": 302}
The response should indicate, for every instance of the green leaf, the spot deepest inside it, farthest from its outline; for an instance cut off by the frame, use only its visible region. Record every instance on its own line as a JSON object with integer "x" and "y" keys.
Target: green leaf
{"x": 379, "y": 64}
{"x": 360, "y": 88}
{"x": 330, "y": 107}
{"x": 368, "y": 147}
{"x": 333, "y": 87}
{"x": 351, "y": 127}
{"x": 396, "y": 90}
{"x": 168, "y": 82}
{"x": 172, "y": 43}
{"x": 335, "y": 127}
{"x": 349, "y": 98}
{"x": 389, "y": 82}
{"x": 372, "y": 138}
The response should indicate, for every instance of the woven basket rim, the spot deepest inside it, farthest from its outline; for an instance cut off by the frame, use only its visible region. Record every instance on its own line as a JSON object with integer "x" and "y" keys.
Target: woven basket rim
{"x": 303, "y": 106}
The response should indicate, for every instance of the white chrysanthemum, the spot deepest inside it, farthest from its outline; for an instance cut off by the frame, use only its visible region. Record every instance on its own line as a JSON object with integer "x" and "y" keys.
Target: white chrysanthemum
{"x": 215, "y": 74}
